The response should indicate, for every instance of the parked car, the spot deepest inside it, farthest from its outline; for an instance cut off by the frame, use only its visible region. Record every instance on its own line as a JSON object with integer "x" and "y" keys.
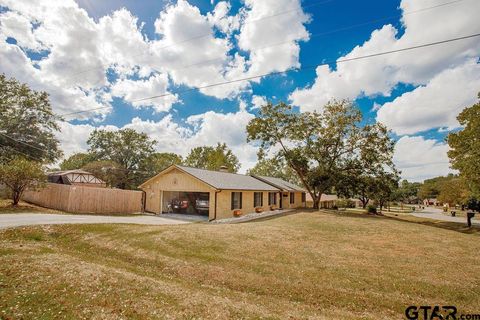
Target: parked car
{"x": 179, "y": 205}
{"x": 202, "y": 205}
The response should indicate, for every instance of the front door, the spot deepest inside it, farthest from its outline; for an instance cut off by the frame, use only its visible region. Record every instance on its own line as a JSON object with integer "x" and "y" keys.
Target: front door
{"x": 280, "y": 205}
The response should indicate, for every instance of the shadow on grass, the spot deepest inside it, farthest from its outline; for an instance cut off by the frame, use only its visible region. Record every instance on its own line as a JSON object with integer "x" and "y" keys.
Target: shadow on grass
{"x": 453, "y": 226}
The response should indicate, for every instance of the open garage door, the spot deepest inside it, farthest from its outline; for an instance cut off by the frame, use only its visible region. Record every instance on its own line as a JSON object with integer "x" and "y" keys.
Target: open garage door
{"x": 186, "y": 202}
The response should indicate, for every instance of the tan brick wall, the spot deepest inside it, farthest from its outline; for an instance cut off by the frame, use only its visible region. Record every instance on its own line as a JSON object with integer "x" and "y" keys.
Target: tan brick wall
{"x": 224, "y": 205}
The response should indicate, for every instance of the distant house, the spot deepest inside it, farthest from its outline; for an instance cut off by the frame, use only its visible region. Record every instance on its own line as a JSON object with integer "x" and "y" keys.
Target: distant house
{"x": 75, "y": 177}
{"x": 217, "y": 194}
{"x": 431, "y": 202}
{"x": 327, "y": 201}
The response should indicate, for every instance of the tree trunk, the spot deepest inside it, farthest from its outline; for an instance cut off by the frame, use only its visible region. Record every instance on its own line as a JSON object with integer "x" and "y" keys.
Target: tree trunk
{"x": 316, "y": 203}
{"x": 15, "y": 198}
{"x": 364, "y": 202}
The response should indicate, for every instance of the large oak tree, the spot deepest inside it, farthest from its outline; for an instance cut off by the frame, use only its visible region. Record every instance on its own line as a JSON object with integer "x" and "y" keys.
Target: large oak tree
{"x": 126, "y": 148}
{"x": 322, "y": 148}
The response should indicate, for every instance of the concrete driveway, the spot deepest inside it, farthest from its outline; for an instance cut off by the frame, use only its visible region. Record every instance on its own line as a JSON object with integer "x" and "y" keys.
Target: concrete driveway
{"x": 437, "y": 214}
{"x": 30, "y": 219}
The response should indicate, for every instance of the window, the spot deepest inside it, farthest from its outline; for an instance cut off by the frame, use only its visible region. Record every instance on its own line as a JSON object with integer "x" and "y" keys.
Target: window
{"x": 258, "y": 199}
{"x": 292, "y": 197}
{"x": 272, "y": 198}
{"x": 236, "y": 200}
{"x": 304, "y": 197}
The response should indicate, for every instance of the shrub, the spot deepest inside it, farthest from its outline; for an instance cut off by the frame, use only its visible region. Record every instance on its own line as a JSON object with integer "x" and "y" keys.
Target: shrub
{"x": 335, "y": 207}
{"x": 372, "y": 209}
{"x": 345, "y": 203}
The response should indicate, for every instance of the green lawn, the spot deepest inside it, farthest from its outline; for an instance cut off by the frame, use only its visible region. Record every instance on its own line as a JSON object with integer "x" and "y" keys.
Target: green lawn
{"x": 320, "y": 265}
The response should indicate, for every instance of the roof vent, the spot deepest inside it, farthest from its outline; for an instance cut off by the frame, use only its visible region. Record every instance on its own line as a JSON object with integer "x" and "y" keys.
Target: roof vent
{"x": 223, "y": 169}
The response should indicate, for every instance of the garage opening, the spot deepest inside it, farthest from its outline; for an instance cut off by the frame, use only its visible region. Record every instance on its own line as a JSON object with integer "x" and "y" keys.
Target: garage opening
{"x": 186, "y": 202}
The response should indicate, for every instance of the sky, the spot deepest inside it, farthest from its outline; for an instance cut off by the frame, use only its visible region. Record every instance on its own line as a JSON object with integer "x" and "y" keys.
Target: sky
{"x": 110, "y": 57}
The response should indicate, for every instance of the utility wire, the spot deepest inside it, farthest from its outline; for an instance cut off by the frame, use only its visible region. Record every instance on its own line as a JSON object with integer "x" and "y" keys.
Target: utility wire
{"x": 206, "y": 35}
{"x": 20, "y": 152}
{"x": 302, "y": 68}
{"x": 22, "y": 142}
{"x": 314, "y": 35}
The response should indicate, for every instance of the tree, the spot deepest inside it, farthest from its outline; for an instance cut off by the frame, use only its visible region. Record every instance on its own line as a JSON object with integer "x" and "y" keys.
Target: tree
{"x": 111, "y": 172}
{"x": 213, "y": 158}
{"x": 274, "y": 167}
{"x": 324, "y": 147}
{"x": 453, "y": 191}
{"x": 158, "y": 162}
{"x": 19, "y": 174}
{"x": 408, "y": 191}
{"x": 464, "y": 145}
{"x": 127, "y": 148}
{"x": 76, "y": 161}
{"x": 385, "y": 188}
{"x": 27, "y": 123}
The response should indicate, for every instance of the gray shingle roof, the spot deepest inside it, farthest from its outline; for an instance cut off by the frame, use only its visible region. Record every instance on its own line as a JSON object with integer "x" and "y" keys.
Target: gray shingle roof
{"x": 228, "y": 181}
{"x": 280, "y": 183}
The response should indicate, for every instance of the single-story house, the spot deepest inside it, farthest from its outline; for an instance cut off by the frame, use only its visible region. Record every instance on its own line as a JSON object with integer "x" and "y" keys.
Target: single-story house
{"x": 218, "y": 194}
{"x": 290, "y": 195}
{"x": 327, "y": 201}
{"x": 76, "y": 177}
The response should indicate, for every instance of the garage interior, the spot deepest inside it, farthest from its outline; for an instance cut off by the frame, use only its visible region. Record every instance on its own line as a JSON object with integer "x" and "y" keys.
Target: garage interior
{"x": 186, "y": 202}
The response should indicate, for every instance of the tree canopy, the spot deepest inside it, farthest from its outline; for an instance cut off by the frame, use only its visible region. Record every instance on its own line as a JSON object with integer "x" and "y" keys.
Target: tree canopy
{"x": 322, "y": 148}
{"x": 274, "y": 167}
{"x": 464, "y": 145}
{"x": 158, "y": 162}
{"x": 126, "y": 148}
{"x": 27, "y": 123}
{"x": 213, "y": 158}
{"x": 77, "y": 161}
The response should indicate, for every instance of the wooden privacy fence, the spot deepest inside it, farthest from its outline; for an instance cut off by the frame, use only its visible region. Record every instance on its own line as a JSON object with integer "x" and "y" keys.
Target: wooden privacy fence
{"x": 86, "y": 199}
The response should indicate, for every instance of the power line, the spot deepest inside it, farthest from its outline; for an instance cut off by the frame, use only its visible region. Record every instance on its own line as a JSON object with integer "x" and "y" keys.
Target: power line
{"x": 22, "y": 142}
{"x": 302, "y": 68}
{"x": 314, "y": 35}
{"x": 20, "y": 152}
{"x": 208, "y": 34}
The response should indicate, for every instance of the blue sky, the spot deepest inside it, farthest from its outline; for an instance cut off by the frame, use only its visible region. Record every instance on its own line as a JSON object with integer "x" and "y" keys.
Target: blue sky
{"x": 107, "y": 55}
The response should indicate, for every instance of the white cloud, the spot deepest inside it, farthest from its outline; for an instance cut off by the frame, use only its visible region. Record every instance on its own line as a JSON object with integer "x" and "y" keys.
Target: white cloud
{"x": 436, "y": 104}
{"x": 380, "y": 75}
{"x": 419, "y": 158}
{"x": 191, "y": 53}
{"x": 258, "y": 101}
{"x": 271, "y": 22}
{"x": 16, "y": 26}
{"x": 199, "y": 130}
{"x": 133, "y": 90}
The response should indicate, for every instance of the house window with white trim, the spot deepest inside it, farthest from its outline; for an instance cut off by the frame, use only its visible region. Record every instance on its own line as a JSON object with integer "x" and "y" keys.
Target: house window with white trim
{"x": 258, "y": 199}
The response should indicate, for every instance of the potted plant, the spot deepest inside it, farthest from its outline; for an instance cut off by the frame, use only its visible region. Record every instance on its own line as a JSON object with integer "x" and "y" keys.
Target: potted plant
{"x": 258, "y": 209}
{"x": 237, "y": 213}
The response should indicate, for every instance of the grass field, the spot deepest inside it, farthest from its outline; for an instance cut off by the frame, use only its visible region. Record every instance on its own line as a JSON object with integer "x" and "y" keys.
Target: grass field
{"x": 319, "y": 265}
{"x": 6, "y": 207}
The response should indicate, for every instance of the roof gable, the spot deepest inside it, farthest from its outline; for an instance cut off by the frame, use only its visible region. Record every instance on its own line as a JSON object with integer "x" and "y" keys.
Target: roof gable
{"x": 219, "y": 180}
